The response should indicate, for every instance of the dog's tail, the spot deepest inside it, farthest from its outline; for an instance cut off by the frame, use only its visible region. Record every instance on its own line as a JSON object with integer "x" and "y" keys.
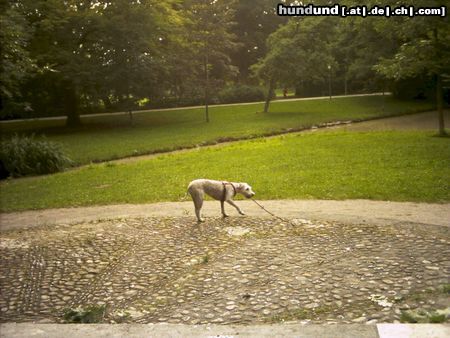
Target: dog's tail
{"x": 182, "y": 199}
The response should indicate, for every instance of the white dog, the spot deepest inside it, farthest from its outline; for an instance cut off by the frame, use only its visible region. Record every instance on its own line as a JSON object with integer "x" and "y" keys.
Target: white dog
{"x": 219, "y": 190}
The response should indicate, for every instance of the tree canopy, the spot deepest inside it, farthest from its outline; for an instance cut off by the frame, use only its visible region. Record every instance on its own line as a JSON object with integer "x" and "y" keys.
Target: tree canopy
{"x": 71, "y": 57}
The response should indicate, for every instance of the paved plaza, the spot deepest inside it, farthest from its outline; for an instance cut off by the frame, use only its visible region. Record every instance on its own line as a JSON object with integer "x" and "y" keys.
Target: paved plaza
{"x": 239, "y": 270}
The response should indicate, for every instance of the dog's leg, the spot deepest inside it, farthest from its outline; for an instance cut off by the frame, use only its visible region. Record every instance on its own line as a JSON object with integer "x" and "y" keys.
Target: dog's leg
{"x": 198, "y": 210}
{"x": 198, "y": 203}
{"x": 234, "y": 205}
{"x": 222, "y": 206}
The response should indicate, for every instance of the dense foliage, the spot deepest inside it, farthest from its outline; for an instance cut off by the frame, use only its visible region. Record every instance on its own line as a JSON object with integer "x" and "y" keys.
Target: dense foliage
{"x": 22, "y": 155}
{"x": 241, "y": 93}
{"x": 71, "y": 57}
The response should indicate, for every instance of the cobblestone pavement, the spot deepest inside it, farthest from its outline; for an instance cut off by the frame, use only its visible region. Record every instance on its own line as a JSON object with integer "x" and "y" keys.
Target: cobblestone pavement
{"x": 235, "y": 270}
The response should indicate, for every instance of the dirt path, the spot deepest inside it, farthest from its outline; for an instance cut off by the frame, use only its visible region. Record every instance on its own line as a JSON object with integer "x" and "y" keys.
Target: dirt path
{"x": 61, "y": 118}
{"x": 349, "y": 211}
{"x": 420, "y": 121}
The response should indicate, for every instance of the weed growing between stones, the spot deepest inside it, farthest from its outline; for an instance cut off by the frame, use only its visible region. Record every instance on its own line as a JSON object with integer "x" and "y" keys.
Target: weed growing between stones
{"x": 88, "y": 315}
{"x": 407, "y": 317}
{"x": 205, "y": 259}
{"x": 122, "y": 317}
{"x": 422, "y": 316}
{"x": 299, "y": 314}
{"x": 446, "y": 288}
{"x": 437, "y": 318}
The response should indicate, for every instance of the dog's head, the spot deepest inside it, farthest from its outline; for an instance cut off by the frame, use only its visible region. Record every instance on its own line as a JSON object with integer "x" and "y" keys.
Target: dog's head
{"x": 246, "y": 190}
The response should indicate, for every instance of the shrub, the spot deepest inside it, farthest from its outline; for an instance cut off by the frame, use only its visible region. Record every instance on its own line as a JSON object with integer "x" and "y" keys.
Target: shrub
{"x": 23, "y": 155}
{"x": 241, "y": 93}
{"x": 172, "y": 102}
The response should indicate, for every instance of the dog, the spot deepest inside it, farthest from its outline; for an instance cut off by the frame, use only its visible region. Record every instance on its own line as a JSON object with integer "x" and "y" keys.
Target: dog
{"x": 220, "y": 190}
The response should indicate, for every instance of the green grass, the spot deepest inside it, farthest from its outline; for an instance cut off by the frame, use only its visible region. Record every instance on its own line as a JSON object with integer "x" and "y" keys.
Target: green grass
{"x": 446, "y": 288}
{"x": 422, "y": 316}
{"x": 437, "y": 318}
{"x": 407, "y": 317}
{"x": 299, "y": 314}
{"x": 400, "y": 166}
{"x": 112, "y": 137}
{"x": 205, "y": 259}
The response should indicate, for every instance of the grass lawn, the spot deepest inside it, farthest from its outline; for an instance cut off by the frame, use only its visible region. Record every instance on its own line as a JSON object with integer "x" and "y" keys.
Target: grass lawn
{"x": 398, "y": 166}
{"x": 111, "y": 137}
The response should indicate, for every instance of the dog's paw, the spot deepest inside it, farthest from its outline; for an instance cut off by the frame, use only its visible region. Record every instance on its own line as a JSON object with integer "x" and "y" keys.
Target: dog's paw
{"x": 225, "y": 215}
{"x": 242, "y": 213}
{"x": 200, "y": 220}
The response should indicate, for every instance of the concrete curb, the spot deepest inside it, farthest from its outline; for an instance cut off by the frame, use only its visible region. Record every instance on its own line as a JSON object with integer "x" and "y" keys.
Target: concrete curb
{"x": 26, "y": 330}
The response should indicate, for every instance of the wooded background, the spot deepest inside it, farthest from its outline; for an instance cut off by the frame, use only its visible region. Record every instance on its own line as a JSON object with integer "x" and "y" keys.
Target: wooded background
{"x": 72, "y": 57}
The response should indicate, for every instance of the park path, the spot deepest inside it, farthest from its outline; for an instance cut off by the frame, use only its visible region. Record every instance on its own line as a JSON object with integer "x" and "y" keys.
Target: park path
{"x": 60, "y": 118}
{"x": 347, "y": 211}
{"x": 419, "y": 121}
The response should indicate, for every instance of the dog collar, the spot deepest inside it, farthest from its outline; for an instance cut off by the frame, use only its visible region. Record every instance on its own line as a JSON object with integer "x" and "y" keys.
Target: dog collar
{"x": 225, "y": 189}
{"x": 234, "y": 189}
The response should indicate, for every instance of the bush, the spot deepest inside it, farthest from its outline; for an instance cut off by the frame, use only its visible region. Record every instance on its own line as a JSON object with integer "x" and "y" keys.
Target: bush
{"x": 241, "y": 93}
{"x": 22, "y": 155}
{"x": 172, "y": 102}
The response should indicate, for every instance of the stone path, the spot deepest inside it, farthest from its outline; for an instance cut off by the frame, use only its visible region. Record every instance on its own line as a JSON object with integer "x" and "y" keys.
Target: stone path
{"x": 235, "y": 270}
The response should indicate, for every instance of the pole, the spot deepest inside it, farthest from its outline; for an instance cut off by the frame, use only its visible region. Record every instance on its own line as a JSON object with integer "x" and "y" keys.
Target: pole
{"x": 206, "y": 87}
{"x": 269, "y": 94}
{"x": 439, "y": 97}
{"x": 439, "y": 101}
{"x": 329, "y": 82}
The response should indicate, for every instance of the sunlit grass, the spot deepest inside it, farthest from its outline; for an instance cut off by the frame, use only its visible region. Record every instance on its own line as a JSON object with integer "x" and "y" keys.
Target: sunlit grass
{"x": 111, "y": 137}
{"x": 397, "y": 166}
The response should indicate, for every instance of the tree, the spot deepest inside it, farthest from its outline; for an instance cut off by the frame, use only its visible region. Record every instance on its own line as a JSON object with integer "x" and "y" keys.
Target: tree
{"x": 135, "y": 42}
{"x": 210, "y": 34}
{"x": 357, "y": 47}
{"x": 424, "y": 50}
{"x": 102, "y": 50}
{"x": 292, "y": 58}
{"x": 61, "y": 30}
{"x": 255, "y": 21}
{"x": 15, "y": 61}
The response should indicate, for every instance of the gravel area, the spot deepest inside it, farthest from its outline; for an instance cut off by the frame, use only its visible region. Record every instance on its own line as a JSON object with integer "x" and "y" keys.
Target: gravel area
{"x": 234, "y": 270}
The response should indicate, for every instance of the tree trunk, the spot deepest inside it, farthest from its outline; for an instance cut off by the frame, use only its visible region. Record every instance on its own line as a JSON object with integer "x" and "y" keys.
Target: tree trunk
{"x": 345, "y": 83}
{"x": 206, "y": 87}
{"x": 329, "y": 84}
{"x": 270, "y": 91}
{"x": 107, "y": 102}
{"x": 71, "y": 104}
{"x": 439, "y": 104}
{"x": 439, "y": 98}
